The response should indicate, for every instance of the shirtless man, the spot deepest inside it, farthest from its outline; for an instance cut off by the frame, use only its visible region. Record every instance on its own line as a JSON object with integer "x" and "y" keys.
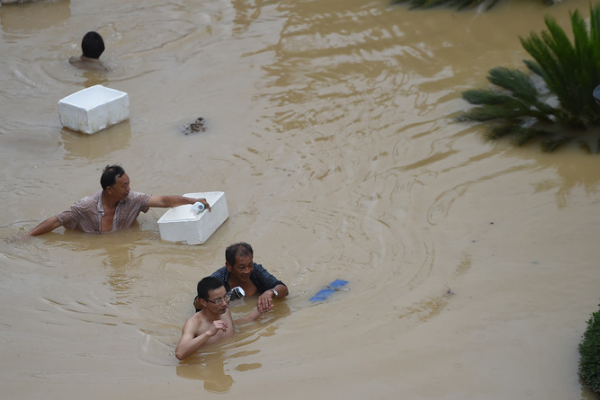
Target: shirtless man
{"x": 92, "y": 46}
{"x": 213, "y": 323}
{"x": 115, "y": 207}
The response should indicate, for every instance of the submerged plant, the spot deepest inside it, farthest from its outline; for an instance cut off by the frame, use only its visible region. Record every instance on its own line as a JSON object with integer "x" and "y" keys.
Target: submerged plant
{"x": 570, "y": 72}
{"x": 460, "y": 4}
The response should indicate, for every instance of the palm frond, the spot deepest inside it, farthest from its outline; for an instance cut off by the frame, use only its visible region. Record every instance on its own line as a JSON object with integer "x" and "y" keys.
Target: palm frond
{"x": 569, "y": 68}
{"x": 491, "y": 113}
{"x": 487, "y": 96}
{"x": 516, "y": 81}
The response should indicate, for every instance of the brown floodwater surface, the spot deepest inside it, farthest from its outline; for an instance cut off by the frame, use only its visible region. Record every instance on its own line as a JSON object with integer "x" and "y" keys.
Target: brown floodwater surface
{"x": 330, "y": 129}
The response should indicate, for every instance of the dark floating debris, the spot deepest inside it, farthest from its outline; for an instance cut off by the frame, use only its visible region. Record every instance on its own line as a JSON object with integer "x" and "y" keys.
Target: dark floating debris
{"x": 196, "y": 126}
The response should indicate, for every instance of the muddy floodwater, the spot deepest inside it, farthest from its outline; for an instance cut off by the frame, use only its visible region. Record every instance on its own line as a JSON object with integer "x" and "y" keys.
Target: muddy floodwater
{"x": 472, "y": 265}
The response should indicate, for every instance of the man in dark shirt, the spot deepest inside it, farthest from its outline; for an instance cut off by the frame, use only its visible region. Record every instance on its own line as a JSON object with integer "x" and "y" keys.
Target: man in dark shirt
{"x": 241, "y": 270}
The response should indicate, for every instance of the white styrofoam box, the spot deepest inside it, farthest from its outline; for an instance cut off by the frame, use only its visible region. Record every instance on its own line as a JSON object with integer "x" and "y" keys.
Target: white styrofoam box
{"x": 93, "y": 109}
{"x": 180, "y": 224}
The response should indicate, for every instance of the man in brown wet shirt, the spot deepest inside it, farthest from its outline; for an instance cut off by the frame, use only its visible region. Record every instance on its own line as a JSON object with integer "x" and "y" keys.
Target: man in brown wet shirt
{"x": 113, "y": 208}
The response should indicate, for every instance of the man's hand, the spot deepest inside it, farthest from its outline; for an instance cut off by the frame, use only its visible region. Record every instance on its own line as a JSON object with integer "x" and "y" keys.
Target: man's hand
{"x": 265, "y": 301}
{"x": 217, "y": 326}
{"x": 203, "y": 201}
{"x": 17, "y": 238}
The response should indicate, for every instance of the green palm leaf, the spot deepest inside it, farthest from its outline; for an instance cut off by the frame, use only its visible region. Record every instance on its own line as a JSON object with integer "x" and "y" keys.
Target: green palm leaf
{"x": 570, "y": 70}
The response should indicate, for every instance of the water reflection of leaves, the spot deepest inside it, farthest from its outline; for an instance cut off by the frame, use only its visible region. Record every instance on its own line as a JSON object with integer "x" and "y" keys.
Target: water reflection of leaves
{"x": 572, "y": 170}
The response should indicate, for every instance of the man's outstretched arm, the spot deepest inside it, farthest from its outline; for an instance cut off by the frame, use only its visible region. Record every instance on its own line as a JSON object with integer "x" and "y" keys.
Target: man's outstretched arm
{"x": 46, "y": 226}
{"x": 253, "y": 316}
{"x": 174, "y": 201}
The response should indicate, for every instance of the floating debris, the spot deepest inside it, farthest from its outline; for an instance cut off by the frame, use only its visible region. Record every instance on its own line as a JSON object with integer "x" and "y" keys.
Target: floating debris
{"x": 196, "y": 126}
{"x": 335, "y": 286}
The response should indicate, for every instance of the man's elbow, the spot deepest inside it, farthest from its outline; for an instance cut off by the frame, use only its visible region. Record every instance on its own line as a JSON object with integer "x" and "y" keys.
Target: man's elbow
{"x": 181, "y": 355}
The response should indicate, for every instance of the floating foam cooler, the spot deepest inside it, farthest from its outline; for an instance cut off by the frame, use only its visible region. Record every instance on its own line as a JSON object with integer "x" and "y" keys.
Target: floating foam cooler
{"x": 181, "y": 224}
{"x": 93, "y": 109}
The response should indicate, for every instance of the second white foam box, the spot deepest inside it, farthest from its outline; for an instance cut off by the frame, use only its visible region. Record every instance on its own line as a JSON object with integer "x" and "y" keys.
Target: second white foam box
{"x": 180, "y": 224}
{"x": 93, "y": 109}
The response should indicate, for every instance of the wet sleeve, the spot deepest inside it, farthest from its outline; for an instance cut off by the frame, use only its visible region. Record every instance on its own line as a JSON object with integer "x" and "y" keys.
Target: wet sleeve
{"x": 141, "y": 200}
{"x": 223, "y": 275}
{"x": 81, "y": 216}
{"x": 264, "y": 280}
{"x": 68, "y": 218}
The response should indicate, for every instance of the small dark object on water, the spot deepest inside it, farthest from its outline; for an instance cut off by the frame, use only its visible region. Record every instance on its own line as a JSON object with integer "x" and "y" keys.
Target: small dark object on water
{"x": 449, "y": 292}
{"x": 196, "y": 126}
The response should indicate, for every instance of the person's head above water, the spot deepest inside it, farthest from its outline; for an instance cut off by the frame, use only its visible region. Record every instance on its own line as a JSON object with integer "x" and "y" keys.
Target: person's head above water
{"x": 240, "y": 249}
{"x": 207, "y": 285}
{"x": 92, "y": 45}
{"x": 110, "y": 175}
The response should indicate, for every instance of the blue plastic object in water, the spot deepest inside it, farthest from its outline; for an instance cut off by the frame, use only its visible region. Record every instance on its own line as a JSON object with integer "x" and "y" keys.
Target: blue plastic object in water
{"x": 329, "y": 290}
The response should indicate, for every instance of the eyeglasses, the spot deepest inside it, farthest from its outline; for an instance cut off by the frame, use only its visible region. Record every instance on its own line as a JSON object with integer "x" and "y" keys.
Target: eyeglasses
{"x": 219, "y": 301}
{"x": 234, "y": 294}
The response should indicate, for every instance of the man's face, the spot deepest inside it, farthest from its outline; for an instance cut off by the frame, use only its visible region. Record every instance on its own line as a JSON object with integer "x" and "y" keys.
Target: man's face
{"x": 121, "y": 187}
{"x": 242, "y": 269}
{"x": 216, "y": 300}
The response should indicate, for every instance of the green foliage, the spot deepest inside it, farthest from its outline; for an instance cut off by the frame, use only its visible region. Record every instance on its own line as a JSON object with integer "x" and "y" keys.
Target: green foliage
{"x": 589, "y": 349}
{"x": 460, "y": 4}
{"x": 570, "y": 71}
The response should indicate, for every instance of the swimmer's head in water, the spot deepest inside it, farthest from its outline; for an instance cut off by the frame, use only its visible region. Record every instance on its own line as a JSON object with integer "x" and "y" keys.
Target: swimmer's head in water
{"x": 92, "y": 45}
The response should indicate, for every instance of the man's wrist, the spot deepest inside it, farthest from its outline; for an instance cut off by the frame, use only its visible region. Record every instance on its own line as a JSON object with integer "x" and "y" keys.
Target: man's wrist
{"x": 275, "y": 293}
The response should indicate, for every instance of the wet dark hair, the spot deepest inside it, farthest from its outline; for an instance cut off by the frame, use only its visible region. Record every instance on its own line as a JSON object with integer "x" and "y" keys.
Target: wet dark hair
{"x": 92, "y": 45}
{"x": 240, "y": 249}
{"x": 110, "y": 175}
{"x": 206, "y": 284}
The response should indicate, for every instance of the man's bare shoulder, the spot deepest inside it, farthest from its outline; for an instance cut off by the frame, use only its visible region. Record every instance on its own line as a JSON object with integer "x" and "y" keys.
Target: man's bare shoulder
{"x": 95, "y": 65}
{"x": 195, "y": 320}
{"x": 198, "y": 323}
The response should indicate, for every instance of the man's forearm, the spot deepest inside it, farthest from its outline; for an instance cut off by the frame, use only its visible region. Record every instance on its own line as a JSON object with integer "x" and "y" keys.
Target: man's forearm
{"x": 174, "y": 201}
{"x": 188, "y": 348}
{"x": 282, "y": 291}
{"x": 253, "y": 316}
{"x": 46, "y": 226}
